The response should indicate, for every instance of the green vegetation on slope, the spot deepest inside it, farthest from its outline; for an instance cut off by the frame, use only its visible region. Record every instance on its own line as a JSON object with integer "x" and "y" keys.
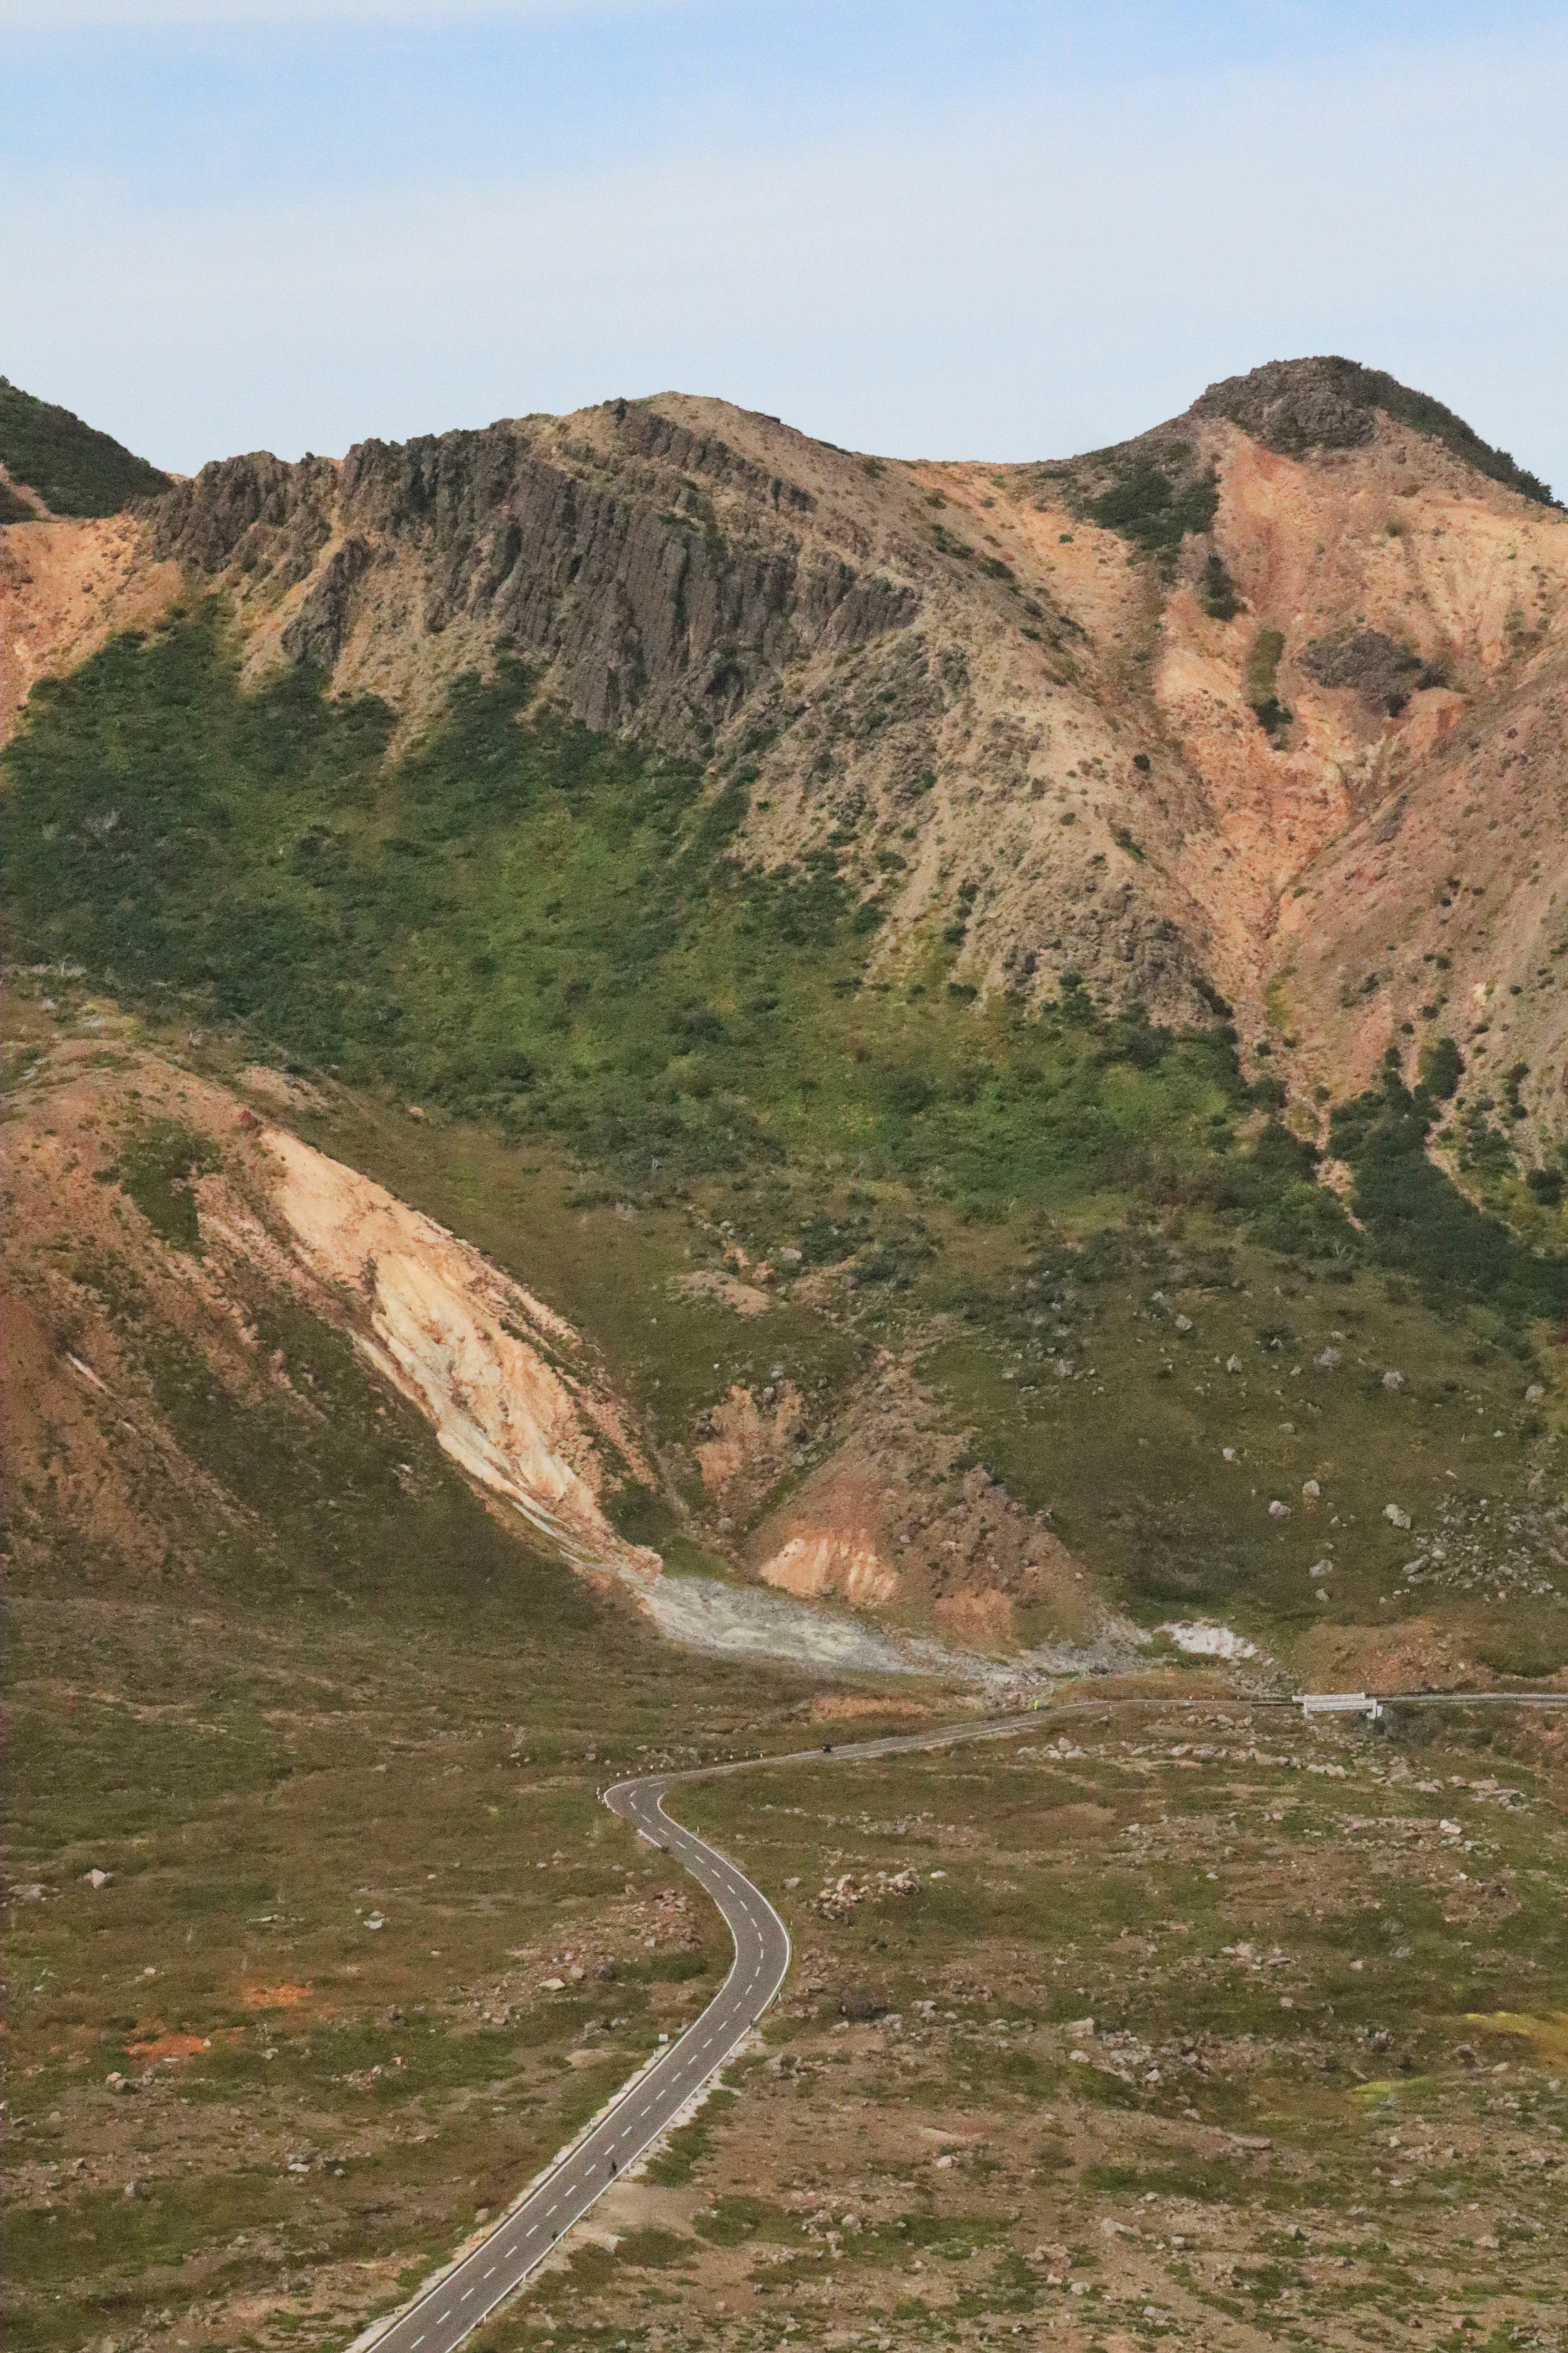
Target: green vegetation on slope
{"x": 1155, "y": 512}
{"x": 550, "y": 938}
{"x": 524, "y": 922}
{"x": 74, "y": 469}
{"x": 1420, "y": 1223}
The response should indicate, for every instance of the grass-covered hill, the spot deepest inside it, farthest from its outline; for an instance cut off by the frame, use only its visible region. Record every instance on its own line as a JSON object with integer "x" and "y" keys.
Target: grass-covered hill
{"x": 74, "y": 467}
{"x": 1109, "y": 1264}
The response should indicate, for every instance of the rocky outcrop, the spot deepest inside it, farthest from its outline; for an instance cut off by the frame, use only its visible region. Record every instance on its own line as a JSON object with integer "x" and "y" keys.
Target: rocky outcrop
{"x": 599, "y": 551}
{"x": 257, "y": 513}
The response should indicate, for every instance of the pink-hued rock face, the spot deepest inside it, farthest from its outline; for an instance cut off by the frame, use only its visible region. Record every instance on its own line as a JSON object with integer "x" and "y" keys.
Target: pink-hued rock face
{"x": 443, "y": 1325}
{"x": 849, "y": 1566}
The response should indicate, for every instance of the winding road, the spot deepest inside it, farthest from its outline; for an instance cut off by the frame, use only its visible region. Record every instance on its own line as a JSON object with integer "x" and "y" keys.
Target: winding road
{"x": 655, "y": 2096}
{"x": 461, "y": 2297}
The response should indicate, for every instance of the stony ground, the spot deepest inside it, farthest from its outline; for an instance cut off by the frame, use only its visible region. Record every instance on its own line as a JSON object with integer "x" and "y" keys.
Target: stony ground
{"x": 1198, "y": 2029}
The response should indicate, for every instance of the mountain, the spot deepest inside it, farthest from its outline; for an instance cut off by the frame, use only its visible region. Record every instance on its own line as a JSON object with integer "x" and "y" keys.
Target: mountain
{"x": 673, "y": 1095}
{"x": 1029, "y": 697}
{"x": 1026, "y": 947}
{"x": 71, "y": 467}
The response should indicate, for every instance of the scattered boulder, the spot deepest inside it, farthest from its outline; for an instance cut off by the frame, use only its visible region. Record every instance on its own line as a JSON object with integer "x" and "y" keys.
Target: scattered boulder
{"x": 1395, "y": 1516}
{"x": 1393, "y": 1382}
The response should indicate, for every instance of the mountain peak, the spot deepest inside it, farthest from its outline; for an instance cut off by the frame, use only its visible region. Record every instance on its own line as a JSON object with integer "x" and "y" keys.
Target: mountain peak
{"x": 1328, "y": 403}
{"x": 71, "y": 467}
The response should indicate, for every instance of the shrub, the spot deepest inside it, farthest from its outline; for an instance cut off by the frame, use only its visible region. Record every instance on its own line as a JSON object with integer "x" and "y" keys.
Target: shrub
{"x": 1217, "y": 592}
{"x": 1145, "y": 506}
{"x": 1440, "y": 1068}
{"x": 1262, "y": 666}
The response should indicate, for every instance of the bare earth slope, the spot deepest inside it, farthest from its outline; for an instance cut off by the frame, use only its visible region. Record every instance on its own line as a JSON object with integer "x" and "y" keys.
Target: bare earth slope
{"x": 1012, "y": 721}
{"x": 176, "y": 1201}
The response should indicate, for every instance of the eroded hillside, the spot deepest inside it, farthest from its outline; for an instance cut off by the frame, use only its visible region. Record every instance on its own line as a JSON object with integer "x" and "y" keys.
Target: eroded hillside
{"x": 848, "y": 869}
{"x": 161, "y": 1233}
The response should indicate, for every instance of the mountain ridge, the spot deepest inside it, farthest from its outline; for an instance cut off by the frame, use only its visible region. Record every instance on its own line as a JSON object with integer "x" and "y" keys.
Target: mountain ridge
{"x": 1136, "y": 717}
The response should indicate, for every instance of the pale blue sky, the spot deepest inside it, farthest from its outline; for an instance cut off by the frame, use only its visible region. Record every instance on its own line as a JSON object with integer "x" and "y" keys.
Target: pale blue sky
{"x": 991, "y": 229}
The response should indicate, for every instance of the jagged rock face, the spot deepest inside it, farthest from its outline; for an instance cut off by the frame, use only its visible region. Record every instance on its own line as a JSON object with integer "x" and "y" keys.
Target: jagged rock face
{"x": 605, "y": 560}
{"x": 255, "y": 511}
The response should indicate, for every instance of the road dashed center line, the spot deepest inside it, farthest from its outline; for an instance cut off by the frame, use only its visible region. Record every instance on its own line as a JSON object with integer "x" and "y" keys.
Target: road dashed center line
{"x": 582, "y": 2174}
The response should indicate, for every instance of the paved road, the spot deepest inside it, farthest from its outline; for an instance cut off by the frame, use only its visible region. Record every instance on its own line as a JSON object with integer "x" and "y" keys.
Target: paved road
{"x": 447, "y": 2312}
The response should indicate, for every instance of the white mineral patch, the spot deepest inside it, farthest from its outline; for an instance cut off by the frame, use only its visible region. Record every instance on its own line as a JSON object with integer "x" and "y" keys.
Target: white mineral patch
{"x": 1202, "y": 1640}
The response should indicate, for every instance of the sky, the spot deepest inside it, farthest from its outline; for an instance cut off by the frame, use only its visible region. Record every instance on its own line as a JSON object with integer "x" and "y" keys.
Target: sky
{"x": 987, "y": 229}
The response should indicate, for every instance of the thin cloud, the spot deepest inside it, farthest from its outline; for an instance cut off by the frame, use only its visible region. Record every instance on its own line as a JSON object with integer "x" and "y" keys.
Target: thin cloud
{"x": 55, "y": 16}
{"x": 1020, "y": 282}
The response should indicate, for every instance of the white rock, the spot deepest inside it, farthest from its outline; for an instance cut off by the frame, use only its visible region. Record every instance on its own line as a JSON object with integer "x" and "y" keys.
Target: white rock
{"x": 1395, "y": 1517}
{"x": 1311, "y": 1489}
{"x": 1279, "y": 1510}
{"x": 1200, "y": 1640}
{"x": 555, "y": 1984}
{"x": 1233, "y": 1364}
{"x": 96, "y": 1878}
{"x": 1227, "y": 1453}
{"x": 1184, "y": 1322}
{"x": 1327, "y": 1361}
{"x": 1394, "y": 1381}
{"x": 1534, "y": 1393}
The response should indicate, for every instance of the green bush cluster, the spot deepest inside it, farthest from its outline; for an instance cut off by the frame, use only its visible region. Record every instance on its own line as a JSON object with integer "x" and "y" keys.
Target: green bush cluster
{"x": 1217, "y": 591}
{"x": 1146, "y": 506}
{"x": 553, "y": 931}
{"x": 156, "y": 1168}
{"x": 75, "y": 470}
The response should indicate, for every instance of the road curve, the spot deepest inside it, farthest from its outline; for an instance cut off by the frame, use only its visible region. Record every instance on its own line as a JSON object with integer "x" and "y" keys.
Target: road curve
{"x": 447, "y": 2312}
{"x": 457, "y": 2303}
